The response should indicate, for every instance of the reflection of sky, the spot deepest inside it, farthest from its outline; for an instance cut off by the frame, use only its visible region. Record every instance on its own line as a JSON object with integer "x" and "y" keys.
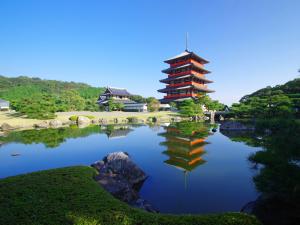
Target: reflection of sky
{"x": 223, "y": 183}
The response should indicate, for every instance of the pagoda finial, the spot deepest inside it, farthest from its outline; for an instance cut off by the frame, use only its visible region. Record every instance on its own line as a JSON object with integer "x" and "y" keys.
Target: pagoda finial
{"x": 186, "y": 41}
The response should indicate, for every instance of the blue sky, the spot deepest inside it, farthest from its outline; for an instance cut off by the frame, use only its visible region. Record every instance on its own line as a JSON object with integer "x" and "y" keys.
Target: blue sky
{"x": 250, "y": 44}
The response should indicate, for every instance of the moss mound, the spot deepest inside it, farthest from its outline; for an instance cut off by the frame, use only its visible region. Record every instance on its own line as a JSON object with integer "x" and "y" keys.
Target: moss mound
{"x": 71, "y": 196}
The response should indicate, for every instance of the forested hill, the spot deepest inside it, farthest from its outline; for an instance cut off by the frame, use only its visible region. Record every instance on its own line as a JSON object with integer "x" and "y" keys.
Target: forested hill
{"x": 25, "y": 86}
{"x": 291, "y": 89}
{"x": 270, "y": 102}
{"x": 44, "y": 97}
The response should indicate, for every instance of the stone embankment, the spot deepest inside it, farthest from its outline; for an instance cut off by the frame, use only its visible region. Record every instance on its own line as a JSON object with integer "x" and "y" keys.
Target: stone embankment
{"x": 121, "y": 177}
{"x": 11, "y": 122}
{"x": 232, "y": 125}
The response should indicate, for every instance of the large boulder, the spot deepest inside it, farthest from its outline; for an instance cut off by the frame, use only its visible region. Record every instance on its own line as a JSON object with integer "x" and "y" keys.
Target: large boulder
{"x": 121, "y": 177}
{"x": 103, "y": 121}
{"x": 120, "y": 163}
{"x": 94, "y": 121}
{"x": 43, "y": 124}
{"x": 82, "y": 120}
{"x": 6, "y": 126}
{"x": 235, "y": 125}
{"x": 55, "y": 123}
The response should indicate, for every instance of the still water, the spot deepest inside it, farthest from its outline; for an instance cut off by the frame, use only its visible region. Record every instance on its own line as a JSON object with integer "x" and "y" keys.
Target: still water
{"x": 190, "y": 168}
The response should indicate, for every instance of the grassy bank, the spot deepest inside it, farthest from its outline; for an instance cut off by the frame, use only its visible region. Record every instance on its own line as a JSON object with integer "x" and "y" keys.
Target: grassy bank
{"x": 17, "y": 120}
{"x": 71, "y": 196}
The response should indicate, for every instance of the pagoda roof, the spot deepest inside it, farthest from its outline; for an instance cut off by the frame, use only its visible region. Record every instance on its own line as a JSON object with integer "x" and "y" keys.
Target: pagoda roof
{"x": 185, "y": 165}
{"x": 166, "y": 80}
{"x": 171, "y": 69}
{"x": 184, "y": 54}
{"x": 183, "y": 155}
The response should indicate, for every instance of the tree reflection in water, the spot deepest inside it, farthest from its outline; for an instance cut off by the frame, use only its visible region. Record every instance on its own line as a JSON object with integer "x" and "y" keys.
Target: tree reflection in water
{"x": 52, "y": 138}
{"x": 278, "y": 179}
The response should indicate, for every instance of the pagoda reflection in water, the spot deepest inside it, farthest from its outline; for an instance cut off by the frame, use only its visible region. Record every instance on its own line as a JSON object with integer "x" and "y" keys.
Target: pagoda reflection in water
{"x": 185, "y": 143}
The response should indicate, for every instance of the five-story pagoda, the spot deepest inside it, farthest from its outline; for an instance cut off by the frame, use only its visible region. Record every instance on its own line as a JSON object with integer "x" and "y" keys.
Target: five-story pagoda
{"x": 186, "y": 77}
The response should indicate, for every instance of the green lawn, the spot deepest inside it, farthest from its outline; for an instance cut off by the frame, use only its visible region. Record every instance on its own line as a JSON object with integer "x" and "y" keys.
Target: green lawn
{"x": 71, "y": 196}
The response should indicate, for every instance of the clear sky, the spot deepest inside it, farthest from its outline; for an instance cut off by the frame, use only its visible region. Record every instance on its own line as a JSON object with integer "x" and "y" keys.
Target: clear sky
{"x": 250, "y": 44}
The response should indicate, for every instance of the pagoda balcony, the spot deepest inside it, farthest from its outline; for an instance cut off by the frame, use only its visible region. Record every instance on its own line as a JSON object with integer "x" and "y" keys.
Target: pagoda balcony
{"x": 188, "y": 72}
{"x": 180, "y": 74}
{"x": 180, "y": 96}
{"x": 193, "y": 74}
{"x": 187, "y": 83}
{"x": 180, "y": 84}
{"x": 186, "y": 62}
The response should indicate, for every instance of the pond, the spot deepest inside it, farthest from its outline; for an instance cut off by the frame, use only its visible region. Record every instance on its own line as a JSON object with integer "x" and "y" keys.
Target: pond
{"x": 191, "y": 169}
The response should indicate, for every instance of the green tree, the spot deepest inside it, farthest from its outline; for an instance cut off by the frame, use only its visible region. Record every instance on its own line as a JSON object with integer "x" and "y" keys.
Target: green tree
{"x": 70, "y": 100}
{"x": 39, "y": 107}
{"x": 209, "y": 104}
{"x": 114, "y": 106}
{"x": 153, "y": 104}
{"x": 138, "y": 99}
{"x": 190, "y": 108}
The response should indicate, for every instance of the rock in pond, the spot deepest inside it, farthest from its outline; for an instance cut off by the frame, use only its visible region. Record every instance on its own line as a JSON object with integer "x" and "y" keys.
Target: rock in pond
{"x": 94, "y": 121}
{"x": 55, "y": 123}
{"x": 235, "y": 125}
{"x": 121, "y": 177}
{"x": 82, "y": 120}
{"x": 120, "y": 163}
{"x": 43, "y": 124}
{"x": 6, "y": 126}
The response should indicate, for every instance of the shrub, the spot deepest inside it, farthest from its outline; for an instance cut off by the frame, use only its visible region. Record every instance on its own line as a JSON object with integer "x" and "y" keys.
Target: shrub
{"x": 152, "y": 119}
{"x": 73, "y": 118}
{"x": 132, "y": 119}
{"x": 90, "y": 117}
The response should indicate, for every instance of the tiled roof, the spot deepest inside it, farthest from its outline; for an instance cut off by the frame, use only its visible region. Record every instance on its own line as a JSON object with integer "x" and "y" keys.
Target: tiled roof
{"x": 185, "y": 66}
{"x": 186, "y": 53}
{"x": 118, "y": 91}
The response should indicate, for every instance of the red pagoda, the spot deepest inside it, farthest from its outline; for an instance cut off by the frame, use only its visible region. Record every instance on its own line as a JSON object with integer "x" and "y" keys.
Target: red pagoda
{"x": 186, "y": 77}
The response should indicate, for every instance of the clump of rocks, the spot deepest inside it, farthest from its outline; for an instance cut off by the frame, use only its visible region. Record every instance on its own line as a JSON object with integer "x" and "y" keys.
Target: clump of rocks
{"x": 121, "y": 177}
{"x": 7, "y": 127}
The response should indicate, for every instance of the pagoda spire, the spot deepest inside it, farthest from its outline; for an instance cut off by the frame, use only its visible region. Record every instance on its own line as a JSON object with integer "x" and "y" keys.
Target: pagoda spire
{"x": 186, "y": 41}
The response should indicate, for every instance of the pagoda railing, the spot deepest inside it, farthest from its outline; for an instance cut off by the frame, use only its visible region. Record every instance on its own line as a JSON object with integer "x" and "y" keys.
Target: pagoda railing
{"x": 180, "y": 96}
{"x": 180, "y": 84}
{"x": 187, "y": 83}
{"x": 180, "y": 74}
{"x": 186, "y": 62}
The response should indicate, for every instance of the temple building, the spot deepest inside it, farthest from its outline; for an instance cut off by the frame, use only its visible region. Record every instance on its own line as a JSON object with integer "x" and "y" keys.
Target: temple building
{"x": 119, "y": 95}
{"x": 122, "y": 96}
{"x": 4, "y": 105}
{"x": 186, "y": 77}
